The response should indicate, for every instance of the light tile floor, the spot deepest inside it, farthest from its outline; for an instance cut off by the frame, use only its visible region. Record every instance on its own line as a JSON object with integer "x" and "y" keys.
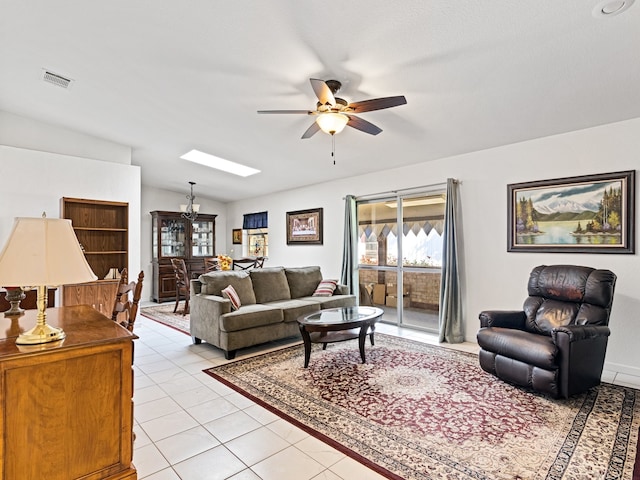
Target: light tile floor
{"x": 189, "y": 426}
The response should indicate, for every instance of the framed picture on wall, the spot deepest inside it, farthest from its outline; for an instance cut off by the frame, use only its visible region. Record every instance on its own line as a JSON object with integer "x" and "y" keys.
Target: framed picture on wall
{"x": 585, "y": 214}
{"x": 236, "y": 236}
{"x": 304, "y": 227}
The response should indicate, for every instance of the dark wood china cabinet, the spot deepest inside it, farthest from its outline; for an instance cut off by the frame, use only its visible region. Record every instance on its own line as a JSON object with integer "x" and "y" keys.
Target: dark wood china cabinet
{"x": 177, "y": 237}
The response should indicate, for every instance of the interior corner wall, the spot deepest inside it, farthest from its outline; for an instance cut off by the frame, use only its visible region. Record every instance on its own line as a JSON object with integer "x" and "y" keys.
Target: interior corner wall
{"x": 165, "y": 200}
{"x": 35, "y": 181}
{"x": 492, "y": 278}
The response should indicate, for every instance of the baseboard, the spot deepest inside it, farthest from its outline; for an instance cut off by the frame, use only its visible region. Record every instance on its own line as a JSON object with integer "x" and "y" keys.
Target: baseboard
{"x": 619, "y": 368}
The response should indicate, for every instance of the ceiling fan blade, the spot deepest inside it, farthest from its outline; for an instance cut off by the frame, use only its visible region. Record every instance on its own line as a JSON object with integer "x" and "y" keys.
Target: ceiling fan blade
{"x": 311, "y": 131}
{"x": 323, "y": 92}
{"x": 377, "y": 104}
{"x": 363, "y": 125}
{"x": 305, "y": 112}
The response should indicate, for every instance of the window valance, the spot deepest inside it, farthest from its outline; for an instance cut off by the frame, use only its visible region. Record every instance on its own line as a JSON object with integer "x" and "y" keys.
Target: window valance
{"x": 255, "y": 220}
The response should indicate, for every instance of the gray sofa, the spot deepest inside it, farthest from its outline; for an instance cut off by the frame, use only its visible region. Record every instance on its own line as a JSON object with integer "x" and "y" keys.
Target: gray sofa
{"x": 272, "y": 299}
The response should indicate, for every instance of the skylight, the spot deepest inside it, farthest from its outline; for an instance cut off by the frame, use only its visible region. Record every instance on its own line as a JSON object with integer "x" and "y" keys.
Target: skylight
{"x": 218, "y": 163}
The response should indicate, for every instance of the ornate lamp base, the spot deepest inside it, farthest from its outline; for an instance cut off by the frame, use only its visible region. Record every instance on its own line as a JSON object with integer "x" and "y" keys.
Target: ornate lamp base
{"x": 40, "y": 334}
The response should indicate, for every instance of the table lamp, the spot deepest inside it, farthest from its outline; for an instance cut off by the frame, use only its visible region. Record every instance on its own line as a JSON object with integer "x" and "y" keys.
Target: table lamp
{"x": 43, "y": 252}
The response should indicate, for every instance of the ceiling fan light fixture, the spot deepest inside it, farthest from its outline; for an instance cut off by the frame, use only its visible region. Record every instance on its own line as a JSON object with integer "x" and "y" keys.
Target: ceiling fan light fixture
{"x": 332, "y": 122}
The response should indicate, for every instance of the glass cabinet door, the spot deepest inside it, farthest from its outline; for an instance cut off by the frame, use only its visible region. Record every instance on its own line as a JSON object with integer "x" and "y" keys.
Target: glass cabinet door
{"x": 172, "y": 238}
{"x": 155, "y": 237}
{"x": 202, "y": 238}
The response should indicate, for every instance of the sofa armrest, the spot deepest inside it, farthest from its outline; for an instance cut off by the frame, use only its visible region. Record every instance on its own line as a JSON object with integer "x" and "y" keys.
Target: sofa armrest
{"x": 195, "y": 287}
{"x": 581, "y": 353}
{"x": 503, "y": 318}
{"x": 341, "y": 289}
{"x": 213, "y": 304}
{"x": 576, "y": 333}
{"x": 205, "y": 313}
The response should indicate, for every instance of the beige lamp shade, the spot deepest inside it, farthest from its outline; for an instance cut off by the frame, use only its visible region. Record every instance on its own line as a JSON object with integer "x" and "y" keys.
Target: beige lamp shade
{"x": 43, "y": 251}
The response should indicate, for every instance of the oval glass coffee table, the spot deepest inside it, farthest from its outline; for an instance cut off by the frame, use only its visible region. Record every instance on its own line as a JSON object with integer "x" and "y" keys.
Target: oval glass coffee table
{"x": 338, "y": 325}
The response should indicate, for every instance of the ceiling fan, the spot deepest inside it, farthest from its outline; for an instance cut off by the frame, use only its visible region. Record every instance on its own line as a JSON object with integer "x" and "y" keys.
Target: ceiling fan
{"x": 333, "y": 113}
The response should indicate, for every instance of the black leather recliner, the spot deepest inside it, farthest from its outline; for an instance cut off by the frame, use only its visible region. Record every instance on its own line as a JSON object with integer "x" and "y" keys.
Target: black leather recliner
{"x": 557, "y": 344}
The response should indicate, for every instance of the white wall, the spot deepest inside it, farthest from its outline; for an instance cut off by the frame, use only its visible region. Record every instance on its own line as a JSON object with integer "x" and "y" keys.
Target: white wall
{"x": 492, "y": 277}
{"x": 158, "y": 199}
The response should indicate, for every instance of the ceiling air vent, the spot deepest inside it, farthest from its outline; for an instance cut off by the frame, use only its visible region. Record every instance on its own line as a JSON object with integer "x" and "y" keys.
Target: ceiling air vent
{"x": 56, "y": 79}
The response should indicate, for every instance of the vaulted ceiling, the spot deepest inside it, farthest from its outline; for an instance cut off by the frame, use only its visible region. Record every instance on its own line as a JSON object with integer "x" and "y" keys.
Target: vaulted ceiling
{"x": 165, "y": 76}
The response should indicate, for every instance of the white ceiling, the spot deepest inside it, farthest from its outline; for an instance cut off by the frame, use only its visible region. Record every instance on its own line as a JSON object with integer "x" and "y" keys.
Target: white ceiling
{"x": 166, "y": 76}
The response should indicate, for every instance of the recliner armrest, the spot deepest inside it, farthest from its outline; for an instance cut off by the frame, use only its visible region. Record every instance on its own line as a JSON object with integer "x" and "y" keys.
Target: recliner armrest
{"x": 503, "y": 318}
{"x": 576, "y": 333}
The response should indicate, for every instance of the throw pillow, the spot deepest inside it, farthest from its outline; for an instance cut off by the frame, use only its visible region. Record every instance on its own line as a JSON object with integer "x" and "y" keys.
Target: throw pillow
{"x": 233, "y": 297}
{"x": 325, "y": 288}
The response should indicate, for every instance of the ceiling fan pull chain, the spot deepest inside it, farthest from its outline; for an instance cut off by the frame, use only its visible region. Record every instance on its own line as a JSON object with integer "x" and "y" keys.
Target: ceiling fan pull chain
{"x": 333, "y": 148}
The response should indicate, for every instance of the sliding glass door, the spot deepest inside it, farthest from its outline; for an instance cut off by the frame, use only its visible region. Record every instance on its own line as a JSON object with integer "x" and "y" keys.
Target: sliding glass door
{"x": 406, "y": 227}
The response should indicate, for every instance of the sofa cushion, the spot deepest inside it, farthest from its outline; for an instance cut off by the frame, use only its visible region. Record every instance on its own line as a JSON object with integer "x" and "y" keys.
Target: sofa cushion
{"x": 303, "y": 280}
{"x": 325, "y": 288}
{"x": 250, "y": 316}
{"x": 333, "y": 301}
{"x": 538, "y": 350}
{"x": 545, "y": 314}
{"x": 231, "y": 294}
{"x": 214, "y": 282}
{"x": 295, "y": 308}
{"x": 270, "y": 284}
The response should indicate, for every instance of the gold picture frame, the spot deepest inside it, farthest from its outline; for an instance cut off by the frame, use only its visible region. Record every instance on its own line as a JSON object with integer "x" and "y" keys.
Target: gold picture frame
{"x": 304, "y": 227}
{"x": 584, "y": 214}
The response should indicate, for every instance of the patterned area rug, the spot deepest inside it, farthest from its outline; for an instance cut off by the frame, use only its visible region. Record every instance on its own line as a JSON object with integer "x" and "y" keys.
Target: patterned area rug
{"x": 416, "y": 411}
{"x": 164, "y": 314}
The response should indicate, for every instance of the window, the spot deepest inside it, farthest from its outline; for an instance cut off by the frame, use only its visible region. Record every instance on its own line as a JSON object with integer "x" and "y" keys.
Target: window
{"x": 409, "y": 228}
{"x": 258, "y": 242}
{"x": 257, "y": 233}
{"x": 420, "y": 232}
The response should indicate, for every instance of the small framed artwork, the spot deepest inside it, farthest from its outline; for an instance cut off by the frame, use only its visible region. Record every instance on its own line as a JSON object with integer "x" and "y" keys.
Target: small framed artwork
{"x": 236, "y": 236}
{"x": 304, "y": 227}
{"x": 585, "y": 214}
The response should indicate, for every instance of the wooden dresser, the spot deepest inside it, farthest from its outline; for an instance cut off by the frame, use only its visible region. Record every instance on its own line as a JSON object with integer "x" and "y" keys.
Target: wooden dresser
{"x": 100, "y": 295}
{"x": 67, "y": 410}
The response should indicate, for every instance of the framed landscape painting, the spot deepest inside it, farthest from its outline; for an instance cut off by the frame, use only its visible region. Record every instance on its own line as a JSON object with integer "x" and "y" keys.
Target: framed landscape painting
{"x": 304, "y": 227}
{"x": 586, "y": 214}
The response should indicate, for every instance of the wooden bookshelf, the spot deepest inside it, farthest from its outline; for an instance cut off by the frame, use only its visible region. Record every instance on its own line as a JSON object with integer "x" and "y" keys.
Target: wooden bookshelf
{"x": 102, "y": 228}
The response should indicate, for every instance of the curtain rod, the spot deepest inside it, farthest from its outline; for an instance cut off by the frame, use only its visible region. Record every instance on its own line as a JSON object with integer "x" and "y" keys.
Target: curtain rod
{"x": 440, "y": 184}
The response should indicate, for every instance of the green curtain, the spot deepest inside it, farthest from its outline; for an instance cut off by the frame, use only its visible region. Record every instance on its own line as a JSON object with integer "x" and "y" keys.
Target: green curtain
{"x": 349, "y": 274}
{"x": 451, "y": 328}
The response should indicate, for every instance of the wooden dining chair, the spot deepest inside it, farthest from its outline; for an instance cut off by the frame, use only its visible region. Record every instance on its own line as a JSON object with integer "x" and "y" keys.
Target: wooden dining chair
{"x": 211, "y": 264}
{"x": 182, "y": 283}
{"x": 243, "y": 263}
{"x": 259, "y": 262}
{"x": 125, "y": 308}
